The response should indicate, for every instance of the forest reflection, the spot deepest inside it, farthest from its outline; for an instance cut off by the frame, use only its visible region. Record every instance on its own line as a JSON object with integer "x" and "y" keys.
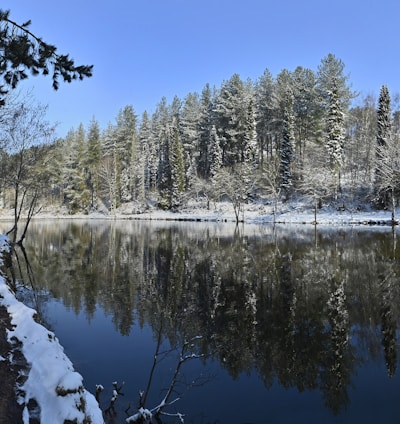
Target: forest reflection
{"x": 298, "y": 305}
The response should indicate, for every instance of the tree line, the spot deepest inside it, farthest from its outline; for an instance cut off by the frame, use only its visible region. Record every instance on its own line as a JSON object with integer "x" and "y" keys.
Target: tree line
{"x": 296, "y": 134}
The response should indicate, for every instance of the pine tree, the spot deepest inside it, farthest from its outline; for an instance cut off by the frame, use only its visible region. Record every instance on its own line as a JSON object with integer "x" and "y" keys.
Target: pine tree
{"x": 250, "y": 147}
{"x": 147, "y": 147}
{"x": 331, "y": 73}
{"x": 308, "y": 127}
{"x": 159, "y": 170}
{"x": 231, "y": 119}
{"x": 177, "y": 171}
{"x": 109, "y": 169}
{"x": 264, "y": 113}
{"x": 189, "y": 135}
{"x": 164, "y": 172}
{"x": 93, "y": 160}
{"x": 286, "y": 151}
{"x": 125, "y": 150}
{"x": 77, "y": 193}
{"x": 335, "y": 134}
{"x": 204, "y": 130}
{"x": 215, "y": 155}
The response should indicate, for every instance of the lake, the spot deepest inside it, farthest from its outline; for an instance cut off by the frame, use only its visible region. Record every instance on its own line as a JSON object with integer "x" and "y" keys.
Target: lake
{"x": 265, "y": 324}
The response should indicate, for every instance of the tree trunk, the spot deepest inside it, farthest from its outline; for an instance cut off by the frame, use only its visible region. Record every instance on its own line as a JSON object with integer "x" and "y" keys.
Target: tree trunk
{"x": 393, "y": 209}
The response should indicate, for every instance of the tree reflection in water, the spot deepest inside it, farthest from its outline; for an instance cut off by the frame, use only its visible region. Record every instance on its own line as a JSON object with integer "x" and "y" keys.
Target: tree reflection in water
{"x": 301, "y": 307}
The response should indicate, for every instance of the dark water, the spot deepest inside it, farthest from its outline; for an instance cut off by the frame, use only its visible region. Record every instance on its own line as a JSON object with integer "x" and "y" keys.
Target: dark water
{"x": 284, "y": 324}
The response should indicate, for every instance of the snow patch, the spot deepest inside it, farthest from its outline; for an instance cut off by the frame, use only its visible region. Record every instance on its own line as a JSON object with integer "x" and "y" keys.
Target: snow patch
{"x": 52, "y": 381}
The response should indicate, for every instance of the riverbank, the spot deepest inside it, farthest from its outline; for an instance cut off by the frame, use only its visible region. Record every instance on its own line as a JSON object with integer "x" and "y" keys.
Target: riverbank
{"x": 295, "y": 212}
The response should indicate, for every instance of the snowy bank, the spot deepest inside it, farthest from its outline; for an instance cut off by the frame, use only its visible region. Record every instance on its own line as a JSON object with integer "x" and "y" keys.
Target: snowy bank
{"x": 298, "y": 211}
{"x": 52, "y": 385}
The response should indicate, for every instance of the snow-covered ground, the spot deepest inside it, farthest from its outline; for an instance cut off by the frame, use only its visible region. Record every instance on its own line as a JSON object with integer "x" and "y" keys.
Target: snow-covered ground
{"x": 296, "y": 212}
{"x": 51, "y": 382}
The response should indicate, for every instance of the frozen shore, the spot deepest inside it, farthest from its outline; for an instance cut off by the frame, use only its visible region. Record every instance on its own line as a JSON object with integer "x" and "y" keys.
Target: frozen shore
{"x": 289, "y": 213}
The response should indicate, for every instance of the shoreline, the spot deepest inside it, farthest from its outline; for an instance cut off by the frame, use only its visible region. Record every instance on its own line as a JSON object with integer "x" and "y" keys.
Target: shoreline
{"x": 223, "y": 213}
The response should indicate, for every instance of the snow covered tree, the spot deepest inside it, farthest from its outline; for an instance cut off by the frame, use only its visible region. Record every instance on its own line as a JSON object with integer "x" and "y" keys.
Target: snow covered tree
{"x": 308, "y": 127}
{"x": 215, "y": 154}
{"x": 147, "y": 144}
{"x": 388, "y": 184}
{"x": 160, "y": 122}
{"x": 286, "y": 151}
{"x": 335, "y": 134}
{"x": 250, "y": 147}
{"x": 316, "y": 182}
{"x": 189, "y": 135}
{"x": 109, "y": 169}
{"x": 383, "y": 134}
{"x": 76, "y": 190}
{"x": 237, "y": 183}
{"x": 335, "y": 95}
{"x": 125, "y": 150}
{"x": 164, "y": 167}
{"x": 232, "y": 119}
{"x": 205, "y": 123}
{"x": 264, "y": 112}
{"x": 93, "y": 160}
{"x": 177, "y": 171}
{"x": 331, "y": 73}
{"x": 361, "y": 145}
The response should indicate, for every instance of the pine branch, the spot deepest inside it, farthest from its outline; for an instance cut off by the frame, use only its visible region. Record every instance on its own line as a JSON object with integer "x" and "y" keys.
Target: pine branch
{"x": 22, "y": 50}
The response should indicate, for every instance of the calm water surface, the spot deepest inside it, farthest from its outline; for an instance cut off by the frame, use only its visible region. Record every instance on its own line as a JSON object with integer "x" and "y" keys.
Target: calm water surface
{"x": 287, "y": 324}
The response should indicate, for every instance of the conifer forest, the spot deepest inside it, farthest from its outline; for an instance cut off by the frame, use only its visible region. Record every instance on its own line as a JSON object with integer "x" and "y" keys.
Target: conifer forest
{"x": 302, "y": 133}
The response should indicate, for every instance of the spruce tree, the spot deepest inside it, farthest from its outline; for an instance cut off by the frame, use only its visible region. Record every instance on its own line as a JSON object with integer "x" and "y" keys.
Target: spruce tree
{"x": 215, "y": 155}
{"x": 384, "y": 120}
{"x": 383, "y": 133}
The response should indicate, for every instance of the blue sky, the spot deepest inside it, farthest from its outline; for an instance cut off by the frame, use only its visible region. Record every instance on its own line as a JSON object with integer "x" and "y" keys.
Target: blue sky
{"x": 143, "y": 50}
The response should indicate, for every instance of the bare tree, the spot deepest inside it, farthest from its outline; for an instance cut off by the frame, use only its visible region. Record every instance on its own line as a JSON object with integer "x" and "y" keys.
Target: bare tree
{"x": 107, "y": 174}
{"x": 237, "y": 183}
{"x": 317, "y": 181}
{"x": 21, "y": 136}
{"x": 388, "y": 165}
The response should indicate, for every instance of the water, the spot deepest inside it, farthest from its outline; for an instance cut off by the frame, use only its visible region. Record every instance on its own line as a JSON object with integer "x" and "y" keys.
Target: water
{"x": 296, "y": 324}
